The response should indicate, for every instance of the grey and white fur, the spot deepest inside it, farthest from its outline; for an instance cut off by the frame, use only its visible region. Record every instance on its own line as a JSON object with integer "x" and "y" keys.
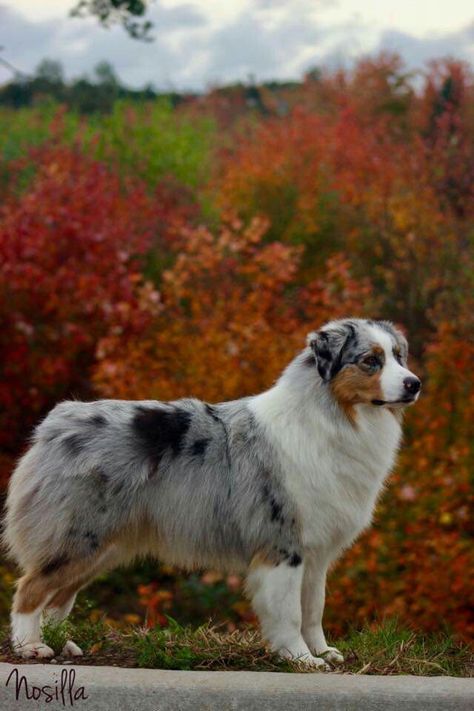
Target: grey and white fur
{"x": 275, "y": 485}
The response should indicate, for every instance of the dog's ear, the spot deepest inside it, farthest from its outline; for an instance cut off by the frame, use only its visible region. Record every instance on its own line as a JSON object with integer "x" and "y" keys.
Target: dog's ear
{"x": 329, "y": 346}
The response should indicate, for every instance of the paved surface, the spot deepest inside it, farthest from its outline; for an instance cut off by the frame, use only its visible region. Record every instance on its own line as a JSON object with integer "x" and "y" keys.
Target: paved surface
{"x": 155, "y": 690}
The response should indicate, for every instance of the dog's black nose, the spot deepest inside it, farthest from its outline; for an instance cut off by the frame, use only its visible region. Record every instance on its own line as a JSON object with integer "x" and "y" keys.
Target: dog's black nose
{"x": 412, "y": 385}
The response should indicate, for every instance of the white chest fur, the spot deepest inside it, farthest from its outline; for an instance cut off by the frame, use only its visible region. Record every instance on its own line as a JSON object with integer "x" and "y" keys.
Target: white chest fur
{"x": 333, "y": 471}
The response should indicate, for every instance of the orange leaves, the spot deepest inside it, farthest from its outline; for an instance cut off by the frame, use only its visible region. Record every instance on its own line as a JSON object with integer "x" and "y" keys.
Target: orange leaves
{"x": 223, "y": 308}
{"x": 157, "y": 603}
{"x": 232, "y": 318}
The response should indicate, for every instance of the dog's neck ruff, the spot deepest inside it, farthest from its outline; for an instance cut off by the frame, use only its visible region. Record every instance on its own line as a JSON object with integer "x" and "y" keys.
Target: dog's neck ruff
{"x": 331, "y": 469}
{"x": 292, "y": 411}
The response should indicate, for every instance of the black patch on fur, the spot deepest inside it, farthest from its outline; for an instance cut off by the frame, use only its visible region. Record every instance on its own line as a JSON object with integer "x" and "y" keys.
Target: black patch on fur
{"x": 98, "y": 421}
{"x": 75, "y": 443}
{"x": 99, "y": 481}
{"x": 295, "y": 560}
{"x": 92, "y": 540}
{"x": 198, "y": 448}
{"x": 334, "y": 348}
{"x": 211, "y": 411}
{"x": 345, "y": 353}
{"x": 55, "y": 564}
{"x": 276, "y": 510}
{"x": 160, "y": 430}
{"x": 310, "y": 361}
{"x": 103, "y": 477}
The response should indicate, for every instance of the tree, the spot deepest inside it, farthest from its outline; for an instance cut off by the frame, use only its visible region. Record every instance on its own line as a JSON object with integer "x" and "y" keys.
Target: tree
{"x": 69, "y": 258}
{"x": 51, "y": 71}
{"x": 124, "y": 12}
{"x": 106, "y": 75}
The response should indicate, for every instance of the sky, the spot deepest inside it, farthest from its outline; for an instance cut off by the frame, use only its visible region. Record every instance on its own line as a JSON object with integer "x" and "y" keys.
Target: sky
{"x": 201, "y": 43}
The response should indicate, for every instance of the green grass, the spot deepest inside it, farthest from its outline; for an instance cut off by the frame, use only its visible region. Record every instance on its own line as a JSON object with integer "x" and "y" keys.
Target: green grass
{"x": 386, "y": 650}
{"x": 86, "y": 634}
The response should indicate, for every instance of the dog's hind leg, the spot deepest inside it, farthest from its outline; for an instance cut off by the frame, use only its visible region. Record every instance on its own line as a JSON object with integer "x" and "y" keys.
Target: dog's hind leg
{"x": 58, "y": 609}
{"x": 31, "y": 597}
{"x": 276, "y": 598}
{"x": 45, "y": 591}
{"x": 60, "y": 605}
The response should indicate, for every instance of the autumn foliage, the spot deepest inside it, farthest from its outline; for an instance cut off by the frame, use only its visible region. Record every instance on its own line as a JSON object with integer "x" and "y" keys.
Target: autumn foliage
{"x": 71, "y": 253}
{"x": 133, "y": 274}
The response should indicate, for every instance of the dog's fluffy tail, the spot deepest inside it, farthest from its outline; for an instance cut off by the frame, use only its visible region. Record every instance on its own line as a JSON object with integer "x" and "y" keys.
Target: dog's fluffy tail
{"x": 29, "y": 525}
{"x": 21, "y": 491}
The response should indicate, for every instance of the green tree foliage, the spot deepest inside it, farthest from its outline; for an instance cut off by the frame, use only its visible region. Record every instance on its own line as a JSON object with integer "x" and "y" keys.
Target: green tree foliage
{"x": 84, "y": 94}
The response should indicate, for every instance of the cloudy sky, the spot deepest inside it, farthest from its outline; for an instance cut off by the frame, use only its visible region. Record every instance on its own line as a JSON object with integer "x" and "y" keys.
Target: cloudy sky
{"x": 203, "y": 42}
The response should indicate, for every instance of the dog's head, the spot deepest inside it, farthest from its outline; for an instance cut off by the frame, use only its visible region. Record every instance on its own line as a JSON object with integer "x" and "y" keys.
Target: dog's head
{"x": 365, "y": 361}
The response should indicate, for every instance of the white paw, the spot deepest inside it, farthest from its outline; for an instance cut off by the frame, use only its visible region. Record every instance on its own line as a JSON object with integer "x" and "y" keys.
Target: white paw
{"x": 311, "y": 661}
{"x": 333, "y": 655}
{"x": 305, "y": 658}
{"x": 71, "y": 649}
{"x": 34, "y": 650}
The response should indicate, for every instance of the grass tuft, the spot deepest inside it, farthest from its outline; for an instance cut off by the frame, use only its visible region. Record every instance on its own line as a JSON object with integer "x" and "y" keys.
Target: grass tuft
{"x": 56, "y": 634}
{"x": 390, "y": 649}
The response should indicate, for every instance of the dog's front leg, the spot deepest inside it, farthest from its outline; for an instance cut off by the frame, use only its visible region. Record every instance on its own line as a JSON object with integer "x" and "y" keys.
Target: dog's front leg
{"x": 276, "y": 599}
{"x": 313, "y": 595}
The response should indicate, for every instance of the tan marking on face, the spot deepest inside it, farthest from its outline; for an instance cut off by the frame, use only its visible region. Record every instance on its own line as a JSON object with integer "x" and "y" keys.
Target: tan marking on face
{"x": 353, "y": 386}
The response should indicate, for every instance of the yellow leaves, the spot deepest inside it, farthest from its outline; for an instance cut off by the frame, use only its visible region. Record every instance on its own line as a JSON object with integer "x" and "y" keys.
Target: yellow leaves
{"x": 132, "y": 619}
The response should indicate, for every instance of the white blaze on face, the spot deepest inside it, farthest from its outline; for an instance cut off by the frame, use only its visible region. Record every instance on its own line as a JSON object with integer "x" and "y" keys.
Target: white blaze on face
{"x": 393, "y": 373}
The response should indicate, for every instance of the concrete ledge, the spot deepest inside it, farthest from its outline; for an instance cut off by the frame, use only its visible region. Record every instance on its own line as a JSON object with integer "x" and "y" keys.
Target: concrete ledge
{"x": 157, "y": 690}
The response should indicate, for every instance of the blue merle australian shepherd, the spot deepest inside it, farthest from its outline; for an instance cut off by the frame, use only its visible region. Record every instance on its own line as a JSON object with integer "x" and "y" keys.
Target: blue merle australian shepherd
{"x": 275, "y": 485}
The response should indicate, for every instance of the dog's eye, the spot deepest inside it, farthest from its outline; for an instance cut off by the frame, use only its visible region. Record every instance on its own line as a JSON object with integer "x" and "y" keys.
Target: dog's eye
{"x": 371, "y": 361}
{"x": 398, "y": 356}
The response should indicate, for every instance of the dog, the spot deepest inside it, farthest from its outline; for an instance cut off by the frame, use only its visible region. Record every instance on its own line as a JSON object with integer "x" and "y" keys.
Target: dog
{"x": 275, "y": 485}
